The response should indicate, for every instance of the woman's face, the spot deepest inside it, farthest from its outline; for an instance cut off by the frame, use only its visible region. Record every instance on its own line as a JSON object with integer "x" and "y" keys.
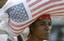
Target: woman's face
{"x": 41, "y": 31}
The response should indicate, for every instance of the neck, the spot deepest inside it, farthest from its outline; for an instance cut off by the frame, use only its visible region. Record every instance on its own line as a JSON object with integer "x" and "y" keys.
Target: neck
{"x": 34, "y": 38}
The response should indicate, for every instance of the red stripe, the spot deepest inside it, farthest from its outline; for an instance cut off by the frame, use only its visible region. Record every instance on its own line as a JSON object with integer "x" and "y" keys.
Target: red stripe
{"x": 44, "y": 5}
{"x": 57, "y": 14}
{"x": 21, "y": 26}
{"x": 28, "y": 1}
{"x": 39, "y": 6}
{"x": 37, "y": 1}
{"x": 47, "y": 9}
{"x": 13, "y": 30}
{"x": 51, "y": 1}
{"x": 56, "y": 10}
{"x": 16, "y": 29}
{"x": 17, "y": 32}
{"x": 55, "y": 0}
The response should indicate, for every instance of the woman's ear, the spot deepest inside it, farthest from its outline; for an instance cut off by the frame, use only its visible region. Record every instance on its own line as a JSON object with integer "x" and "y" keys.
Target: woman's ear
{"x": 2, "y": 3}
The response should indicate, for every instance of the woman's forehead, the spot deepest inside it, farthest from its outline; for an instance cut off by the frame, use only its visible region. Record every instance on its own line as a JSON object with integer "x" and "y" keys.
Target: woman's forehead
{"x": 45, "y": 21}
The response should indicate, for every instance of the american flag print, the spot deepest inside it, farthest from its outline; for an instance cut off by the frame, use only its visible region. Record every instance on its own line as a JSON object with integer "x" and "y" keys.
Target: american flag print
{"x": 18, "y": 14}
{"x": 39, "y": 7}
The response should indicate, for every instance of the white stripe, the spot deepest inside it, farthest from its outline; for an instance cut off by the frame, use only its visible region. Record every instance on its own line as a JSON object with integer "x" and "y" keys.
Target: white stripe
{"x": 42, "y": 2}
{"x": 56, "y": 11}
{"x": 34, "y": 6}
{"x": 17, "y": 31}
{"x": 45, "y": 12}
{"x": 53, "y": 9}
{"x": 20, "y": 28}
{"x": 21, "y": 23}
{"x": 57, "y": 14}
{"x": 31, "y": 1}
{"x": 47, "y": 6}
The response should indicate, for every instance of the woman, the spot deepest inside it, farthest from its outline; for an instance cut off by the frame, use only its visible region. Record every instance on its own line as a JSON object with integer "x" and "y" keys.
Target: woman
{"x": 39, "y": 29}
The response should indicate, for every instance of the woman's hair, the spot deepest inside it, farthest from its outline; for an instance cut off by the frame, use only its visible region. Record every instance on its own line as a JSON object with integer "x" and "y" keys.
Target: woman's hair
{"x": 42, "y": 20}
{"x": 45, "y": 20}
{"x": 38, "y": 23}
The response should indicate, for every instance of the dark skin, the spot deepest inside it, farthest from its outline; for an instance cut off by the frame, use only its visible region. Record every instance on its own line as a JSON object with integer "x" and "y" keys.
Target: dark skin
{"x": 2, "y": 3}
{"x": 39, "y": 34}
{"x": 39, "y": 31}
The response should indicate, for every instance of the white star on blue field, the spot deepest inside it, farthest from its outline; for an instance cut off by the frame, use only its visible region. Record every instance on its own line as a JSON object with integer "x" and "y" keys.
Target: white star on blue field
{"x": 18, "y": 13}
